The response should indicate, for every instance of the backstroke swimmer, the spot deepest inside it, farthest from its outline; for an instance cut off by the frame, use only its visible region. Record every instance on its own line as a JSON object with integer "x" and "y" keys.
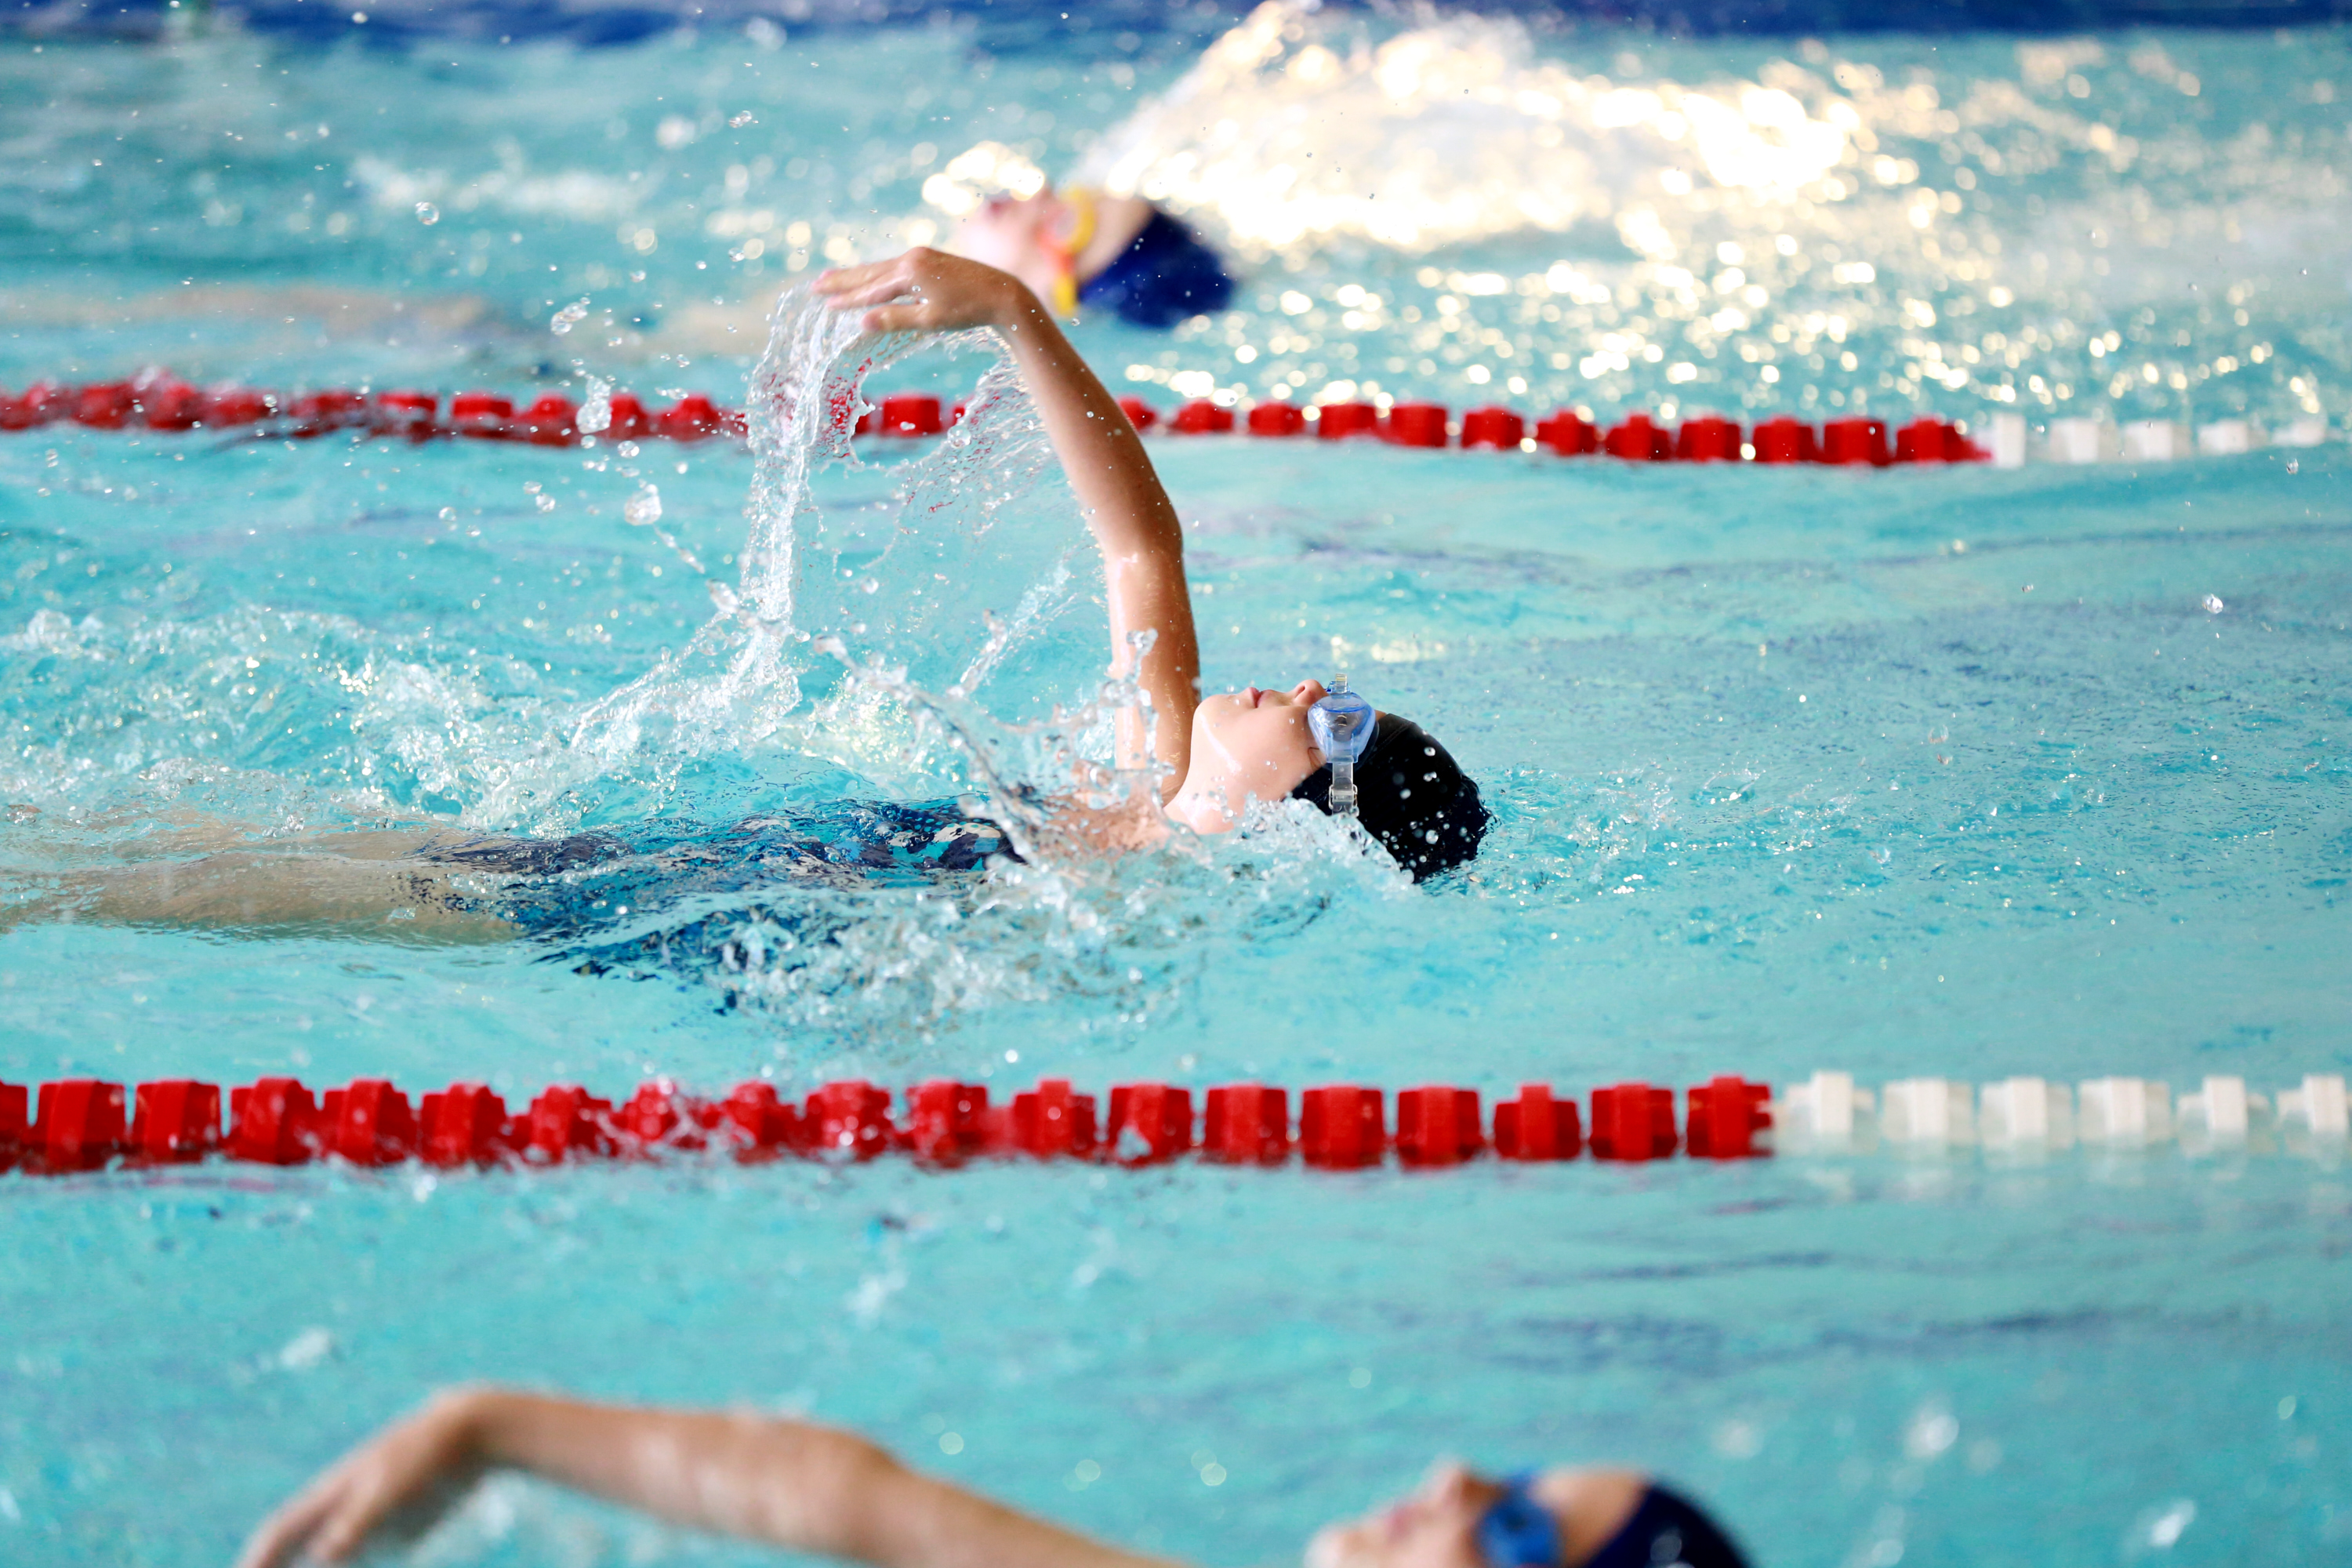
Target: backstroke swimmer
{"x": 1211, "y": 757}
{"x": 809, "y": 1488}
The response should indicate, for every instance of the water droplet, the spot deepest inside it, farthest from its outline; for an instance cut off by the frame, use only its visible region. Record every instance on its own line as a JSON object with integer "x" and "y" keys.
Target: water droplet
{"x": 644, "y": 508}
{"x": 597, "y": 409}
{"x": 305, "y": 1350}
{"x": 427, "y": 214}
{"x": 2212, "y": 603}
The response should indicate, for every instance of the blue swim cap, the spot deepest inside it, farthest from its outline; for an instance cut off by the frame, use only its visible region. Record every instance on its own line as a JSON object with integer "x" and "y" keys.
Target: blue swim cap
{"x": 1163, "y": 275}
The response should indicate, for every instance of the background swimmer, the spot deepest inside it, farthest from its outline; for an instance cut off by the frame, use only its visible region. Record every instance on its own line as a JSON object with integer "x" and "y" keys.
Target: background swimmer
{"x": 1079, "y": 247}
{"x": 1077, "y": 250}
{"x": 805, "y": 1487}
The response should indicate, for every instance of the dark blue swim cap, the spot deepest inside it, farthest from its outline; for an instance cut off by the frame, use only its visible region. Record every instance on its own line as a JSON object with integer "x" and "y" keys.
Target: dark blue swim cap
{"x": 1413, "y": 796}
{"x": 1164, "y": 275}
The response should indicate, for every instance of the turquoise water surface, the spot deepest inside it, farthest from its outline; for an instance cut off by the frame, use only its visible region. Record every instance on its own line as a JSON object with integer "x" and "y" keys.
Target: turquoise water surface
{"x": 1963, "y": 773}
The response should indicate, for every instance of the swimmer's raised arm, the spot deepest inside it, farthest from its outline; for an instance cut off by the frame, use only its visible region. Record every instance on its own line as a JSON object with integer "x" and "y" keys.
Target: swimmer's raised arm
{"x": 1133, "y": 522}
{"x": 789, "y": 1484}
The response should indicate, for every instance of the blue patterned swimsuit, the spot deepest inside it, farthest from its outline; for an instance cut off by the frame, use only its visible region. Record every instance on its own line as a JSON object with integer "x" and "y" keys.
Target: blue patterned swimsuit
{"x": 572, "y": 893}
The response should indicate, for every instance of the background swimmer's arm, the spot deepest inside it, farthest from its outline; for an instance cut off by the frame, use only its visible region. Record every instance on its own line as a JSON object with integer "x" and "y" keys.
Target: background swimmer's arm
{"x": 1134, "y": 523}
{"x": 787, "y": 1483}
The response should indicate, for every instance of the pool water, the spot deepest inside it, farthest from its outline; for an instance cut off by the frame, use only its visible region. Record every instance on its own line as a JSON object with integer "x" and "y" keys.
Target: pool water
{"x": 1964, "y": 772}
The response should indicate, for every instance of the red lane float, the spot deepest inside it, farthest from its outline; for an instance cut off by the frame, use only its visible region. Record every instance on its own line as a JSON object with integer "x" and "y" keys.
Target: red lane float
{"x": 1276, "y": 419}
{"x": 1724, "y": 1116}
{"x": 1708, "y": 440}
{"x": 1416, "y": 424}
{"x": 1639, "y": 439}
{"x": 1786, "y": 440}
{"x": 1632, "y": 1122}
{"x": 566, "y": 1122}
{"x": 1342, "y": 1126}
{"x": 1497, "y": 427}
{"x": 1568, "y": 434}
{"x": 849, "y": 1121}
{"x": 947, "y": 1122}
{"x": 1149, "y": 1123}
{"x": 1246, "y": 1124}
{"x": 80, "y": 1126}
{"x": 175, "y": 1120}
{"x": 1202, "y": 418}
{"x": 372, "y": 1122}
{"x": 1438, "y": 1125}
{"x": 1855, "y": 441}
{"x": 1535, "y": 1126}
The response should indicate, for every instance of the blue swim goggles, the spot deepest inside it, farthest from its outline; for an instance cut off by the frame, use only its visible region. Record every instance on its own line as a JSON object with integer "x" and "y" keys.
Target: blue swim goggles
{"x": 1518, "y": 1531}
{"x": 1343, "y": 725}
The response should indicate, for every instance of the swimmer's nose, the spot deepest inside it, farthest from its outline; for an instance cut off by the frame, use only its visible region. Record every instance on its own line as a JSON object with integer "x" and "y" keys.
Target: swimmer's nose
{"x": 1308, "y": 693}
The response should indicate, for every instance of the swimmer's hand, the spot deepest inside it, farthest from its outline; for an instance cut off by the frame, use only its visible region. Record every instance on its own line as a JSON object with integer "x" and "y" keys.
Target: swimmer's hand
{"x": 401, "y": 1480}
{"x": 1133, "y": 522}
{"x": 926, "y": 291}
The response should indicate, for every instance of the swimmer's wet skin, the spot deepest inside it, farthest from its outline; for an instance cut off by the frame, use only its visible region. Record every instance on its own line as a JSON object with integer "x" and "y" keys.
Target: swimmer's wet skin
{"x": 809, "y": 1488}
{"x": 1214, "y": 756}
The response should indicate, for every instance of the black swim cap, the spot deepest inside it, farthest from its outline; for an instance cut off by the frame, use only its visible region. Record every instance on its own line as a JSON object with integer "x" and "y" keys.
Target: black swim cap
{"x": 1411, "y": 796}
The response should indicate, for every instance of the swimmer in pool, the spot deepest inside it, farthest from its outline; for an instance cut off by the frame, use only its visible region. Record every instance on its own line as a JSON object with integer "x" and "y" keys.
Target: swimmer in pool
{"x": 808, "y": 1489}
{"x": 1078, "y": 248}
{"x": 1211, "y": 757}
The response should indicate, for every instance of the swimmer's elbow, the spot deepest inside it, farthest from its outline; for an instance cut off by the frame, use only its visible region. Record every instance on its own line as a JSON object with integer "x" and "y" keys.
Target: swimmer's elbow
{"x": 833, "y": 1489}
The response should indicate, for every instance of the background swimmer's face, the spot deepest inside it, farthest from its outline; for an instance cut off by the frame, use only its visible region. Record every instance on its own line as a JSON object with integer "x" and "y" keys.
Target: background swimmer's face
{"x": 1008, "y": 232}
{"x": 1436, "y": 1526}
{"x": 1255, "y": 742}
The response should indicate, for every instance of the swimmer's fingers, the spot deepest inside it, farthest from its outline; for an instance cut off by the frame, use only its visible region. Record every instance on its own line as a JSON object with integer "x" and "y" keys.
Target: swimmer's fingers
{"x": 869, "y": 283}
{"x": 406, "y": 1464}
{"x": 923, "y": 290}
{"x": 284, "y": 1534}
{"x": 917, "y": 317}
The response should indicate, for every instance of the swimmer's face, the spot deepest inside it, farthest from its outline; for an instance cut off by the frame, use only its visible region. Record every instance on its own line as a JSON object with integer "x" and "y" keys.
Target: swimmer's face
{"x": 1436, "y": 1526}
{"x": 1008, "y": 232}
{"x": 1255, "y": 742}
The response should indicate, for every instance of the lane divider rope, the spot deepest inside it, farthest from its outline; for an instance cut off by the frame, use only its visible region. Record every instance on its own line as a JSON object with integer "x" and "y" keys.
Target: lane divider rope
{"x": 160, "y": 402}
{"x": 88, "y": 1124}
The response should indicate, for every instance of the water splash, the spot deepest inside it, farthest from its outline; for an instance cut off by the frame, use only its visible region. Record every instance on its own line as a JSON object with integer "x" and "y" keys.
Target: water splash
{"x": 900, "y": 609}
{"x": 1297, "y": 129}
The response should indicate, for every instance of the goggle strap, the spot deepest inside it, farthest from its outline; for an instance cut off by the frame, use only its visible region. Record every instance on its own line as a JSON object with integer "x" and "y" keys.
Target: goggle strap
{"x": 1343, "y": 786}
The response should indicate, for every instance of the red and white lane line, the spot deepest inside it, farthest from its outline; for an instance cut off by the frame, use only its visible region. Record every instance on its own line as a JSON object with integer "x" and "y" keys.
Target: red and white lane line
{"x": 88, "y": 1124}
{"x": 158, "y": 401}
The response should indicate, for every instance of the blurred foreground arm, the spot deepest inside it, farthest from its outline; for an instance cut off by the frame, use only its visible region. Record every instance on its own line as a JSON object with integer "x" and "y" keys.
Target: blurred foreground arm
{"x": 791, "y": 1485}
{"x": 1133, "y": 522}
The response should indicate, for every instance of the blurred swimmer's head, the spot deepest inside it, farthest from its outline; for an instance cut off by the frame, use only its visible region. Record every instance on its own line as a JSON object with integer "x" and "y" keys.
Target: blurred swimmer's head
{"x": 1559, "y": 1518}
{"x": 1257, "y": 744}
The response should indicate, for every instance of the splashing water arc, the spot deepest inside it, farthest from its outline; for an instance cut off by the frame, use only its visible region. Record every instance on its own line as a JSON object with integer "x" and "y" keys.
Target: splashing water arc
{"x": 740, "y": 679}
